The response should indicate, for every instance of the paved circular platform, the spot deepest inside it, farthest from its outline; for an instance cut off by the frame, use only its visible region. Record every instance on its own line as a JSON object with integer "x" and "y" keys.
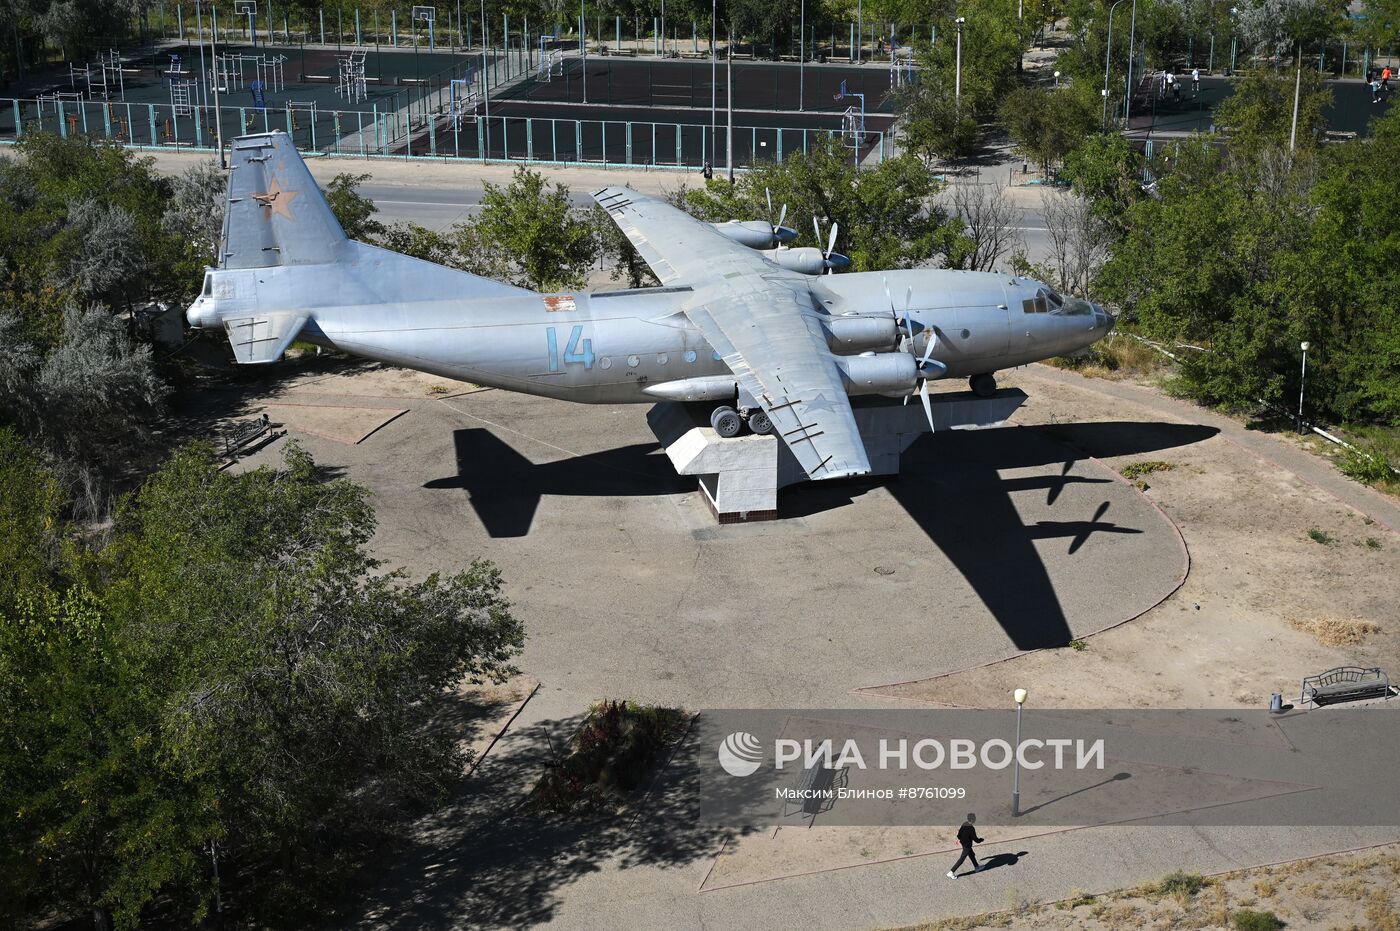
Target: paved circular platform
{"x": 990, "y": 543}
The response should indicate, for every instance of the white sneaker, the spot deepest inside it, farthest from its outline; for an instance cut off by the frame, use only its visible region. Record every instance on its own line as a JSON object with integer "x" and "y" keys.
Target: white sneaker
{"x": 952, "y": 875}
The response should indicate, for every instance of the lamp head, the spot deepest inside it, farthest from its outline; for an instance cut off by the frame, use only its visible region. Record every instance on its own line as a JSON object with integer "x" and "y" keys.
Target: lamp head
{"x": 1020, "y": 696}
{"x": 1306, "y": 346}
{"x": 960, "y": 20}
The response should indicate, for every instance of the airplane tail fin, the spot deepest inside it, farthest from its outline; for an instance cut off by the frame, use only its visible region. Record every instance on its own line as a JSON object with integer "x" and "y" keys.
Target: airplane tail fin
{"x": 276, "y": 214}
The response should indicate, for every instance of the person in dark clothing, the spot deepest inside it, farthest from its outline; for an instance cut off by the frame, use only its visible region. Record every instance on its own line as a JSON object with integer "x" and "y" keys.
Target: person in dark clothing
{"x": 967, "y": 836}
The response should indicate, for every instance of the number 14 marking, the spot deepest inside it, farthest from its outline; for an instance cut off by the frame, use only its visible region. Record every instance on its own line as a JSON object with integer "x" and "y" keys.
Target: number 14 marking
{"x": 572, "y": 351}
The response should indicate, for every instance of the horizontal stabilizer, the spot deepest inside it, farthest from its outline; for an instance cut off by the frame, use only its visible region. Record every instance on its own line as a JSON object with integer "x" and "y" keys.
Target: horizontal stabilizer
{"x": 263, "y": 338}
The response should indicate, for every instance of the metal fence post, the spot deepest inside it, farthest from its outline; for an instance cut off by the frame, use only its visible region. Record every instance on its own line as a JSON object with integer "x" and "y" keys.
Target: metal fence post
{"x": 151, "y": 116}
{"x": 628, "y": 142}
{"x": 529, "y": 139}
{"x": 678, "y": 144}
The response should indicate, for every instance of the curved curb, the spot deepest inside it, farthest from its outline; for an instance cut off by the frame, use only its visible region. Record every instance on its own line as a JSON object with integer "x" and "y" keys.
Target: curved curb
{"x": 1181, "y": 580}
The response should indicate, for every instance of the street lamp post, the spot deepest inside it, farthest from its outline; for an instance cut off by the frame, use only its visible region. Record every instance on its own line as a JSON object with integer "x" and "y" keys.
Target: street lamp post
{"x": 1107, "y": 58}
{"x": 1057, "y": 79}
{"x": 1234, "y": 39}
{"x": 1020, "y": 696}
{"x": 1302, "y": 383}
{"x": 802, "y": 58}
{"x": 957, "y": 71}
{"x": 1128, "y": 97}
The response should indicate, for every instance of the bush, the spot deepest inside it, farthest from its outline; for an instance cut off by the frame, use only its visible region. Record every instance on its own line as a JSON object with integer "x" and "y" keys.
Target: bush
{"x": 1182, "y": 885}
{"x": 1366, "y": 467}
{"x": 1247, "y": 920}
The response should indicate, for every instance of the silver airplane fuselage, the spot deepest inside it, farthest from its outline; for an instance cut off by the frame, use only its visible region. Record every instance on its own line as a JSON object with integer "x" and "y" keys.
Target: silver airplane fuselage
{"x": 638, "y": 345}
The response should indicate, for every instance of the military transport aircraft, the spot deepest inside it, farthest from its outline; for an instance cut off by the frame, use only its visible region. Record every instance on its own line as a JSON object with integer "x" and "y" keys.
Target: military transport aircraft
{"x": 750, "y": 327}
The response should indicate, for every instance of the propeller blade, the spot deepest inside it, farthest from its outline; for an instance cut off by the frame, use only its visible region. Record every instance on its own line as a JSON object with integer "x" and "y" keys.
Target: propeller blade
{"x": 768, "y": 195}
{"x": 908, "y": 326}
{"x": 928, "y": 405}
{"x": 817, "y": 231}
{"x": 888, "y": 296}
{"x": 928, "y": 350}
{"x": 831, "y": 241}
{"x": 782, "y": 215}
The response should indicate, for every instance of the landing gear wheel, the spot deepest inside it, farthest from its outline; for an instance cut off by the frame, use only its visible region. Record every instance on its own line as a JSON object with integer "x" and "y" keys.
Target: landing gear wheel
{"x": 759, "y": 422}
{"x": 727, "y": 422}
{"x": 984, "y": 385}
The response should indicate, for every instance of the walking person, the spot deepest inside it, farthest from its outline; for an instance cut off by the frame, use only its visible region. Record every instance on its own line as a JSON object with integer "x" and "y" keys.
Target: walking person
{"x": 1385, "y": 79}
{"x": 967, "y": 836}
{"x": 1376, "y": 90}
{"x": 1195, "y": 82}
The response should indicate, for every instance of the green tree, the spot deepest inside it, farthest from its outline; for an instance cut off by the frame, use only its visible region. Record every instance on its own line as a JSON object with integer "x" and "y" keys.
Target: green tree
{"x": 1259, "y": 113}
{"x": 1105, "y": 169}
{"x": 622, "y": 258}
{"x": 353, "y": 210}
{"x": 1047, "y": 124}
{"x": 887, "y": 215}
{"x": 529, "y": 233}
{"x": 231, "y": 668}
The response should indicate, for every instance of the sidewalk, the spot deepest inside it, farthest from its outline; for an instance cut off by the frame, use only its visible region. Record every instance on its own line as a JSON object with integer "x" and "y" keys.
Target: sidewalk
{"x": 1317, "y": 472}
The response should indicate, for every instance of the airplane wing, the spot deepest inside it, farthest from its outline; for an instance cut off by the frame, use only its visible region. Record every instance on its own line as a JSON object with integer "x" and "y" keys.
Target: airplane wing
{"x": 760, "y": 320}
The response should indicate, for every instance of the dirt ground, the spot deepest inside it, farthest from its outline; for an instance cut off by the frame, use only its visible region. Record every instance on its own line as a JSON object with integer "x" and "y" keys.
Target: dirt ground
{"x": 1345, "y": 892}
{"x": 1285, "y": 582}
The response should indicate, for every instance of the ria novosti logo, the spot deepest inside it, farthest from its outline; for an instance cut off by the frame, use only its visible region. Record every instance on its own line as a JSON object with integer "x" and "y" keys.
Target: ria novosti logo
{"x": 740, "y": 754}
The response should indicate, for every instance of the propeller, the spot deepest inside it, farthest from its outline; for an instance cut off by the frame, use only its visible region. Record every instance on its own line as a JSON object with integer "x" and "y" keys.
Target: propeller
{"x": 781, "y": 234}
{"x": 927, "y": 366}
{"x": 832, "y": 259}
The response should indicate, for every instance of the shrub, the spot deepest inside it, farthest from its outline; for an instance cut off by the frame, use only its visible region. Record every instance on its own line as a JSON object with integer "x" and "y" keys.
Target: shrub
{"x": 1247, "y": 920}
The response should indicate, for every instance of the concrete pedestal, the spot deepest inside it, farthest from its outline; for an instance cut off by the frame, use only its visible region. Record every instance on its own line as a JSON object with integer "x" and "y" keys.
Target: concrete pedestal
{"x": 740, "y": 477}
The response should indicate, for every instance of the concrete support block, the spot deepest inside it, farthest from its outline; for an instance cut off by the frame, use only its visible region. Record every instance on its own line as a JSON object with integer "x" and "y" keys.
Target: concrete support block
{"x": 740, "y": 477}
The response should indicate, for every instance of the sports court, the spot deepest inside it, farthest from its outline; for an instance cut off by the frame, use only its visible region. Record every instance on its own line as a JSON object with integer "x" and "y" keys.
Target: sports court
{"x": 538, "y": 105}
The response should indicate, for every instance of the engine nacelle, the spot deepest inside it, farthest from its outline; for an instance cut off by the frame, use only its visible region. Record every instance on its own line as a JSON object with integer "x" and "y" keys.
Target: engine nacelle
{"x": 849, "y": 335}
{"x": 804, "y": 259}
{"x": 894, "y": 373}
{"x": 756, "y": 234}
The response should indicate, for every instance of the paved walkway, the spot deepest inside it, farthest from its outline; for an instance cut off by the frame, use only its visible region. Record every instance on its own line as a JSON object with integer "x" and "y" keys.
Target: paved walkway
{"x": 1308, "y": 467}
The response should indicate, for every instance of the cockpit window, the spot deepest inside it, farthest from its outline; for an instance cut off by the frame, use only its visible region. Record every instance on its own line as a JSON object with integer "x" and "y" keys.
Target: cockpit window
{"x": 1055, "y": 299}
{"x": 208, "y": 285}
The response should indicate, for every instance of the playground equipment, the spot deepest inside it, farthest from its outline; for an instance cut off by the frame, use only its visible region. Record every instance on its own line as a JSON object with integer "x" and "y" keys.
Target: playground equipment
{"x": 233, "y": 70}
{"x": 551, "y": 62}
{"x": 901, "y": 66}
{"x": 463, "y": 98}
{"x": 102, "y": 77}
{"x": 853, "y": 119}
{"x": 350, "y": 78}
{"x": 56, "y": 98}
{"x": 296, "y": 106}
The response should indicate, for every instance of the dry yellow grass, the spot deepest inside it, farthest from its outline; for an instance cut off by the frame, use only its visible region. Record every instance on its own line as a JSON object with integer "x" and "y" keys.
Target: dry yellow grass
{"x": 1337, "y": 631}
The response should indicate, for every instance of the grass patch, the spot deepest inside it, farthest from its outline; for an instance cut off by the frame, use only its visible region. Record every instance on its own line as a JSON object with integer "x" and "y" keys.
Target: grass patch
{"x": 1337, "y": 631}
{"x": 1116, "y": 356}
{"x": 1078, "y": 646}
{"x": 1246, "y": 920}
{"x": 1146, "y": 467}
{"x": 1369, "y": 468}
{"x": 609, "y": 759}
{"x": 1318, "y": 535}
{"x": 1181, "y": 886}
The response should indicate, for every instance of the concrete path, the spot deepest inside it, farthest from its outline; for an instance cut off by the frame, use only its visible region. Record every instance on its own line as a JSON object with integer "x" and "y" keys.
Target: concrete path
{"x": 1307, "y": 466}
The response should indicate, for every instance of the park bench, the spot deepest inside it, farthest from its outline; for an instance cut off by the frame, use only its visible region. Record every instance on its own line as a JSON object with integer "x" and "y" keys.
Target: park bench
{"x": 243, "y": 435}
{"x": 1344, "y": 684}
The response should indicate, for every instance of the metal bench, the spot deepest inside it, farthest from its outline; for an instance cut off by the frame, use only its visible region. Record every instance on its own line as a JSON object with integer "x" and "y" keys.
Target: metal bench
{"x": 242, "y": 436}
{"x": 1344, "y": 684}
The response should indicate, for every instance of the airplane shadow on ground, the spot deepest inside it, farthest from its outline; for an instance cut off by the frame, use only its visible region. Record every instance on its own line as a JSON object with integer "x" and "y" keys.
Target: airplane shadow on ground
{"x": 950, "y": 485}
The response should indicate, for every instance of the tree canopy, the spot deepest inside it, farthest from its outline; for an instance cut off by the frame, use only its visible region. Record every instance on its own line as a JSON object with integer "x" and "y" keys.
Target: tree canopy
{"x": 230, "y": 675}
